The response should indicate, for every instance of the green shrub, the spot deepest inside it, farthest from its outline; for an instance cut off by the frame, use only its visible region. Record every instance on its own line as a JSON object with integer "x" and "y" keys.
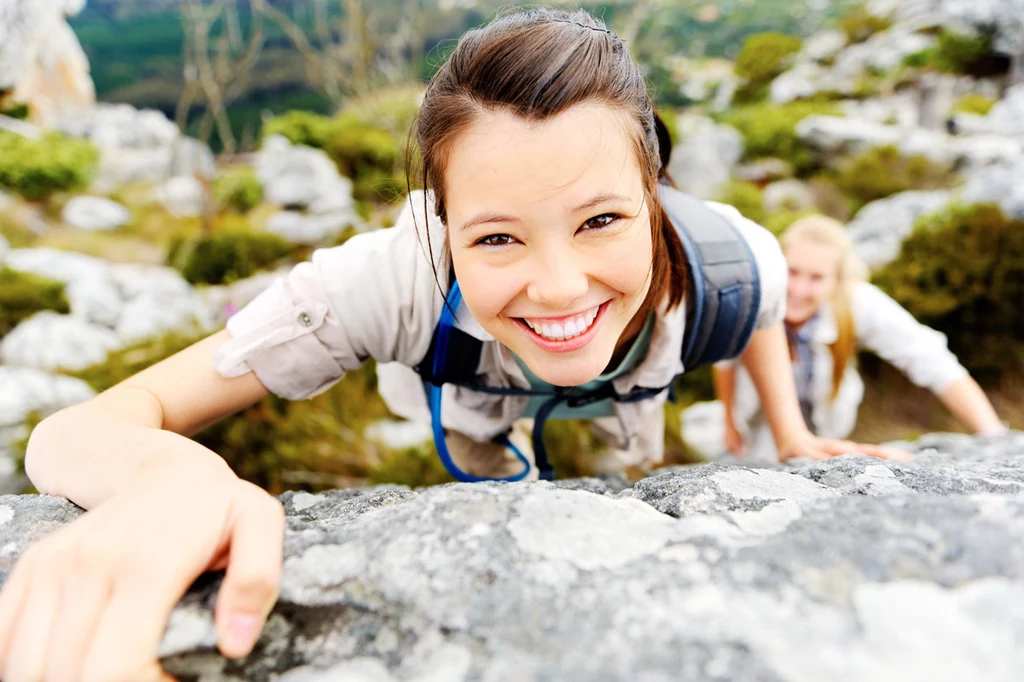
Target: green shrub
{"x": 882, "y": 171}
{"x": 23, "y": 294}
{"x": 746, "y": 197}
{"x": 974, "y": 104}
{"x": 301, "y": 127}
{"x": 763, "y": 57}
{"x": 239, "y": 188}
{"x": 961, "y": 271}
{"x": 18, "y": 110}
{"x": 959, "y": 53}
{"x": 227, "y": 255}
{"x": 770, "y": 130}
{"x": 920, "y": 59}
{"x": 859, "y": 24}
{"x": 777, "y": 222}
{"x": 36, "y": 169}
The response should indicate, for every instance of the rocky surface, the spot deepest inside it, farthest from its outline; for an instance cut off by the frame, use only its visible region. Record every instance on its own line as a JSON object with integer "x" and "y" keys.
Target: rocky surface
{"x": 850, "y": 569}
{"x": 41, "y": 61}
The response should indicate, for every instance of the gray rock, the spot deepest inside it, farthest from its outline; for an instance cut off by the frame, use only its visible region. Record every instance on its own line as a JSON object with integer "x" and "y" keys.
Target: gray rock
{"x": 1001, "y": 184}
{"x": 310, "y": 228}
{"x": 851, "y": 570}
{"x": 51, "y": 341}
{"x": 95, "y": 214}
{"x": 702, "y": 426}
{"x": 879, "y": 228}
{"x": 823, "y": 46}
{"x": 5, "y": 248}
{"x": 702, "y": 163}
{"x": 182, "y": 196}
{"x": 297, "y": 176}
{"x": 764, "y": 170}
{"x": 41, "y": 61}
{"x": 1007, "y": 115}
{"x": 791, "y": 195}
{"x": 63, "y": 266}
{"x": 24, "y": 390}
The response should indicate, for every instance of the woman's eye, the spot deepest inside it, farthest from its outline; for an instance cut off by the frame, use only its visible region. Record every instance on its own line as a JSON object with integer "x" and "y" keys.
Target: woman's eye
{"x": 604, "y": 220}
{"x": 496, "y": 240}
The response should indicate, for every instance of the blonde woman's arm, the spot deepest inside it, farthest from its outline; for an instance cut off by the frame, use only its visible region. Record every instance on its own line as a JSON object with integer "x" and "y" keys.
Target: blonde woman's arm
{"x": 724, "y": 375}
{"x": 886, "y": 328}
{"x": 767, "y": 360}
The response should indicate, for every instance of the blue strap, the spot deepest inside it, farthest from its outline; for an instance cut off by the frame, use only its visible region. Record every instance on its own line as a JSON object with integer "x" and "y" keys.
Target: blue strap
{"x": 445, "y": 325}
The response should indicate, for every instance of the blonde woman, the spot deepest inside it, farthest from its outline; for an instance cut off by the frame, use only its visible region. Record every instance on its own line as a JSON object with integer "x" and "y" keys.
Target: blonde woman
{"x": 831, "y": 311}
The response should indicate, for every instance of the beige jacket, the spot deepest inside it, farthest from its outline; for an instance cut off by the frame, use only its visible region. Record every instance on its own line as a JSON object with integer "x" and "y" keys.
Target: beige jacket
{"x": 376, "y": 297}
{"x": 883, "y": 327}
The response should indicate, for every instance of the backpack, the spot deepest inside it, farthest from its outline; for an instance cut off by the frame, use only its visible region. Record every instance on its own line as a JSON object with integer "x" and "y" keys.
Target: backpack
{"x": 721, "y": 310}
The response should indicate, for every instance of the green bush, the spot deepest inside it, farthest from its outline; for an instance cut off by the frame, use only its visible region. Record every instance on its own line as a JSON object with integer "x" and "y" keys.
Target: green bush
{"x": 227, "y": 255}
{"x": 882, "y": 171}
{"x": 239, "y": 188}
{"x": 746, "y": 197}
{"x": 959, "y": 53}
{"x": 36, "y": 169}
{"x": 859, "y": 24}
{"x": 961, "y": 271}
{"x": 23, "y": 294}
{"x": 19, "y": 111}
{"x": 974, "y": 104}
{"x": 770, "y": 130}
{"x": 920, "y": 59}
{"x": 301, "y": 127}
{"x": 763, "y": 57}
{"x": 777, "y": 222}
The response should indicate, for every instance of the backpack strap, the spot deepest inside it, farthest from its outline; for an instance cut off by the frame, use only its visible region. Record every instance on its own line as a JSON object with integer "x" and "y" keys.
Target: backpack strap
{"x": 725, "y": 296}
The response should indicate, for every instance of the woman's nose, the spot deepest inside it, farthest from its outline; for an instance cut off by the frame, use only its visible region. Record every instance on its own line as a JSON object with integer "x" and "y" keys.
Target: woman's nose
{"x": 559, "y": 279}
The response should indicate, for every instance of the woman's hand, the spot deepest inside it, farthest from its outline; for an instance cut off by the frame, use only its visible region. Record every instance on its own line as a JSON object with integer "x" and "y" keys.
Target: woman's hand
{"x": 734, "y": 440}
{"x": 91, "y": 601}
{"x": 811, "y": 446}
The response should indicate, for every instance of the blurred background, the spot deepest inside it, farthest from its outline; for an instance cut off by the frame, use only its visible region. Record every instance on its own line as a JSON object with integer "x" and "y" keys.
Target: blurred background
{"x": 161, "y": 161}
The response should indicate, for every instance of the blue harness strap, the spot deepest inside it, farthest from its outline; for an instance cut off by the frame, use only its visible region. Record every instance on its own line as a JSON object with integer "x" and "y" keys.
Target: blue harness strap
{"x": 443, "y": 334}
{"x": 722, "y": 307}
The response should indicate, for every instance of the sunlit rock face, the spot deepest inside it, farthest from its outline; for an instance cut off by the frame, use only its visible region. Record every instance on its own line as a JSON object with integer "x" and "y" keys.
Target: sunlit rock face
{"x": 851, "y": 569}
{"x": 41, "y": 61}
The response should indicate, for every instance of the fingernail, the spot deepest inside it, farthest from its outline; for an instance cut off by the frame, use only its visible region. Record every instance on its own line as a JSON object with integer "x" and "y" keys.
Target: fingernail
{"x": 242, "y": 632}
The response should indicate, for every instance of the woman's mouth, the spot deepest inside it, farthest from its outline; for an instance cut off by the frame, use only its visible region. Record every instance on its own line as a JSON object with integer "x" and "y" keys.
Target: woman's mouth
{"x": 564, "y": 334}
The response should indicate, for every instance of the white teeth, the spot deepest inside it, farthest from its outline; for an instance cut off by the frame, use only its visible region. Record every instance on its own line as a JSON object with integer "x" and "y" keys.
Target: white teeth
{"x": 565, "y": 330}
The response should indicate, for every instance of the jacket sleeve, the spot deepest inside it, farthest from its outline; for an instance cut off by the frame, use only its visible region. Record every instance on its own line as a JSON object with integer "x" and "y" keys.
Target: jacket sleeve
{"x": 373, "y": 297}
{"x": 887, "y": 329}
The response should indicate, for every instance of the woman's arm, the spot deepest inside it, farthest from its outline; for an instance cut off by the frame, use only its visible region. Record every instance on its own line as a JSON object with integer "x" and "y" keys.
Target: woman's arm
{"x": 91, "y": 451}
{"x": 921, "y": 353}
{"x": 968, "y": 403}
{"x": 767, "y": 360}
{"x": 724, "y": 376}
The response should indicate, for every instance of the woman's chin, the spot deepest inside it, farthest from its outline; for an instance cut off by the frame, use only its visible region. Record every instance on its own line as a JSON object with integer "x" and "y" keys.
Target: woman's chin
{"x": 563, "y": 371}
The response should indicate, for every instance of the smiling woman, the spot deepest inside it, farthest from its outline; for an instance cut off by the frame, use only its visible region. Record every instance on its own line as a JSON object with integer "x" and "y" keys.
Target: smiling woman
{"x": 546, "y": 271}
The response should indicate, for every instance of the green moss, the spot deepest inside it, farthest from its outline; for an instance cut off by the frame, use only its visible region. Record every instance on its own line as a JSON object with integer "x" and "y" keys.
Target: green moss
{"x": 239, "y": 189}
{"x": 974, "y": 104}
{"x": 38, "y": 168}
{"x": 777, "y": 222}
{"x": 18, "y": 110}
{"x": 227, "y": 255}
{"x": 763, "y": 57}
{"x": 770, "y": 130}
{"x": 23, "y": 294}
{"x": 961, "y": 271}
{"x": 859, "y": 24}
{"x": 882, "y": 171}
{"x": 746, "y": 197}
{"x": 963, "y": 54}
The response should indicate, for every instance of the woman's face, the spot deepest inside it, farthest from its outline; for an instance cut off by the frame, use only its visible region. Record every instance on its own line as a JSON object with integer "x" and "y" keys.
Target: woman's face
{"x": 550, "y": 236}
{"x": 812, "y": 279}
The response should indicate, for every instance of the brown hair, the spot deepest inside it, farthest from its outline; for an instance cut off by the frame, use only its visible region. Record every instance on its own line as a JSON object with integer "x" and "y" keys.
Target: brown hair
{"x": 537, "y": 64}
{"x": 824, "y": 231}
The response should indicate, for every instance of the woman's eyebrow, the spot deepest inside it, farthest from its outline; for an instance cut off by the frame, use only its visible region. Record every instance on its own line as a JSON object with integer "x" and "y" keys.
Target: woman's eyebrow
{"x": 492, "y": 217}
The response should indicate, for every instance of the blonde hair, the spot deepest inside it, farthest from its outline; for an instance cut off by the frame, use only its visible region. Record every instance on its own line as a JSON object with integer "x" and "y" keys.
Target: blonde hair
{"x": 824, "y": 231}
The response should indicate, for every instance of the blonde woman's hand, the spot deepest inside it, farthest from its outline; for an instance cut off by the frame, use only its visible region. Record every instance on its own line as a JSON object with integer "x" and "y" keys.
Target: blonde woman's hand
{"x": 91, "y": 601}
{"x": 734, "y": 440}
{"x": 811, "y": 446}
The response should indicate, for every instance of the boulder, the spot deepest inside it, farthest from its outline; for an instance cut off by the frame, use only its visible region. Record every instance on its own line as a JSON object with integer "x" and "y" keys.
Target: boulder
{"x": 702, "y": 163}
{"x": 299, "y": 177}
{"x": 42, "y": 64}
{"x": 50, "y": 341}
{"x": 183, "y": 196}
{"x": 848, "y": 570}
{"x": 879, "y": 228}
{"x": 792, "y": 195}
{"x": 97, "y": 214}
